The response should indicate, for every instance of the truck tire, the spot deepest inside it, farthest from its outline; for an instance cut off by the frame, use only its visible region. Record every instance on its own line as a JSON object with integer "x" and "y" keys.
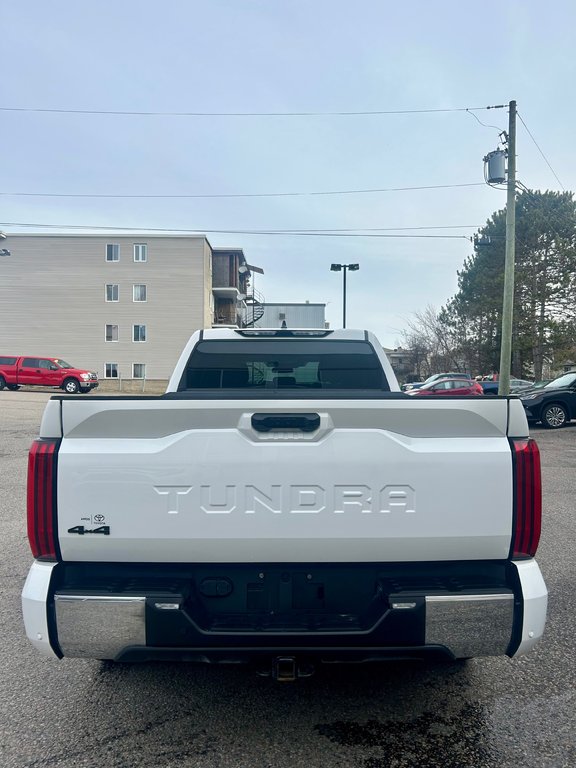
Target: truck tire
{"x": 554, "y": 416}
{"x": 71, "y": 386}
{"x": 2, "y": 382}
{"x": 13, "y": 387}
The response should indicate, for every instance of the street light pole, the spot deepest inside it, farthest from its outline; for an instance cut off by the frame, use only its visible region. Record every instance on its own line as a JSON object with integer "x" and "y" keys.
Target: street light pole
{"x": 344, "y": 296}
{"x": 344, "y": 268}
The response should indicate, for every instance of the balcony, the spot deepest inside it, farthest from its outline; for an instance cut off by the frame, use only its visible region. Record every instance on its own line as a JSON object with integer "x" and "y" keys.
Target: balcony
{"x": 227, "y": 292}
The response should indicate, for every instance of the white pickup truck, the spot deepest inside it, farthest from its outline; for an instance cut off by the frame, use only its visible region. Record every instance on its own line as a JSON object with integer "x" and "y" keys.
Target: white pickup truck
{"x": 284, "y": 504}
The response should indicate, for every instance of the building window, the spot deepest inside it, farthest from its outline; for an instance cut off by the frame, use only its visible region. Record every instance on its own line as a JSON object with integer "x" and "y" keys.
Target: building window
{"x": 139, "y": 293}
{"x": 112, "y": 252}
{"x": 281, "y": 315}
{"x": 138, "y": 333}
{"x": 111, "y": 370}
{"x": 140, "y": 252}
{"x": 138, "y": 370}
{"x": 111, "y": 333}
{"x": 112, "y": 291}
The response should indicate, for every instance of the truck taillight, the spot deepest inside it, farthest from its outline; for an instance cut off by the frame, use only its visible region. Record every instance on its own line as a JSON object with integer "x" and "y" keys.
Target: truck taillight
{"x": 527, "y": 498}
{"x": 41, "y": 499}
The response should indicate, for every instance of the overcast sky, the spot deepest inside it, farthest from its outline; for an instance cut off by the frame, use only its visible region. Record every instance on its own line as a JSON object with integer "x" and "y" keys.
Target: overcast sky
{"x": 228, "y": 56}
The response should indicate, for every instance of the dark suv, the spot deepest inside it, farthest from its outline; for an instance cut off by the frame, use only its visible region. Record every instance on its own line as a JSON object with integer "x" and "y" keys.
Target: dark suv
{"x": 553, "y": 405}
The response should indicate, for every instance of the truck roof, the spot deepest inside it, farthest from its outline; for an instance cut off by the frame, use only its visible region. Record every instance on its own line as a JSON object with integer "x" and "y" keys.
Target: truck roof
{"x": 349, "y": 334}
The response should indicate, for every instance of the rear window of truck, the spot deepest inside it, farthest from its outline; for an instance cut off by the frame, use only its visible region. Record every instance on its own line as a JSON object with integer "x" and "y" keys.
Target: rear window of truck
{"x": 7, "y": 360}
{"x": 287, "y": 364}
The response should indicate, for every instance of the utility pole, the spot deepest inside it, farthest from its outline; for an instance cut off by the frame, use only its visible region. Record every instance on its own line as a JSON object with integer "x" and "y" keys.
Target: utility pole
{"x": 508, "y": 301}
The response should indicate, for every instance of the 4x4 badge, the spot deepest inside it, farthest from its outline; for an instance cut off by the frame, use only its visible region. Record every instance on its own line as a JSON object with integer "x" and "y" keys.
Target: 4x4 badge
{"x": 103, "y": 529}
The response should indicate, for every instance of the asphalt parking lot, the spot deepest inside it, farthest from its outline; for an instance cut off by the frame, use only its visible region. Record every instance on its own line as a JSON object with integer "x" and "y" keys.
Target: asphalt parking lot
{"x": 487, "y": 713}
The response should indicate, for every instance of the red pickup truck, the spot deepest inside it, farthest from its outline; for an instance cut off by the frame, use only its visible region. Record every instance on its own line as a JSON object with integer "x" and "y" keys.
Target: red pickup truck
{"x": 45, "y": 372}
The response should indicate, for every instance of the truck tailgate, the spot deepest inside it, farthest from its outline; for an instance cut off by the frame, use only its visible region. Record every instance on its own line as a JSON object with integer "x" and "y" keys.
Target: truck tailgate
{"x": 386, "y": 480}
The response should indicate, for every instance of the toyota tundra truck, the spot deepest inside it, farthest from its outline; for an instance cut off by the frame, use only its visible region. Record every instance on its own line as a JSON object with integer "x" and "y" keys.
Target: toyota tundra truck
{"x": 284, "y": 504}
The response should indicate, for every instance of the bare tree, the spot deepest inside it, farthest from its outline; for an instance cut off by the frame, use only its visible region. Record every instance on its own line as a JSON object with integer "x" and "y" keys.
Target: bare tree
{"x": 431, "y": 341}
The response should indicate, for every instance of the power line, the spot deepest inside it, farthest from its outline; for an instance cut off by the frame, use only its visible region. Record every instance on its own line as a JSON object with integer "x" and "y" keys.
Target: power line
{"x": 381, "y": 229}
{"x": 282, "y": 232}
{"x": 244, "y": 114}
{"x": 485, "y": 125}
{"x": 234, "y": 195}
{"x": 541, "y": 152}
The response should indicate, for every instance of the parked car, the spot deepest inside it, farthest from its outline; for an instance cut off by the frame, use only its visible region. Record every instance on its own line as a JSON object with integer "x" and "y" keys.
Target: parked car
{"x": 520, "y": 385}
{"x": 449, "y": 387}
{"x": 489, "y": 387}
{"x": 554, "y": 405}
{"x": 411, "y": 385}
{"x": 434, "y": 377}
{"x": 45, "y": 372}
{"x": 516, "y": 386}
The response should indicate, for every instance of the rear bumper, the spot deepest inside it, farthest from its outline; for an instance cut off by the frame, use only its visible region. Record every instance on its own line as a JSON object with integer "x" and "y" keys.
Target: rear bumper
{"x": 129, "y": 624}
{"x": 534, "y": 605}
{"x": 35, "y": 601}
{"x": 116, "y": 628}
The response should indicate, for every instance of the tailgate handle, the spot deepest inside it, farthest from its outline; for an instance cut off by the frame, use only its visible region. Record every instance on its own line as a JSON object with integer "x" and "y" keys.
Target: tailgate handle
{"x": 265, "y": 422}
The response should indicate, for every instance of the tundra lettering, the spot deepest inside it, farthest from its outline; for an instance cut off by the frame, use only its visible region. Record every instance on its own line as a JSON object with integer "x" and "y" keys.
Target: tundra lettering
{"x": 294, "y": 499}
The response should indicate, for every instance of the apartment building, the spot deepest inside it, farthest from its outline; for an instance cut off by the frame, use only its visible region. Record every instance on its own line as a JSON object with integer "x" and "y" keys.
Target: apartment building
{"x": 122, "y": 305}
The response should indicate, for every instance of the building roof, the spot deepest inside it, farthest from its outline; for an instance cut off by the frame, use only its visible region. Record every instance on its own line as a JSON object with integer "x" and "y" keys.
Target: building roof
{"x": 292, "y": 304}
{"x": 131, "y": 235}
